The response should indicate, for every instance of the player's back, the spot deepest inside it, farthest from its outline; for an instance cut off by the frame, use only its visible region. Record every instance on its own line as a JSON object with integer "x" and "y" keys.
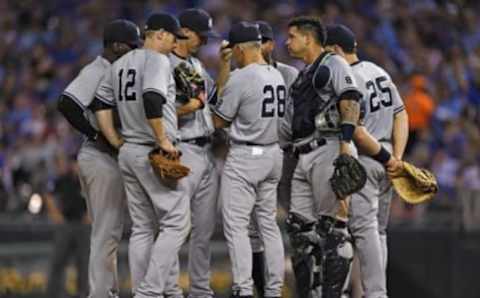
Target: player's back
{"x": 381, "y": 99}
{"x": 134, "y": 74}
{"x": 257, "y": 93}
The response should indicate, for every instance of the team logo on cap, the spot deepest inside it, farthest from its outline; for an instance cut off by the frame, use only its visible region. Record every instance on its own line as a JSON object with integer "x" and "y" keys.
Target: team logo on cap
{"x": 210, "y": 23}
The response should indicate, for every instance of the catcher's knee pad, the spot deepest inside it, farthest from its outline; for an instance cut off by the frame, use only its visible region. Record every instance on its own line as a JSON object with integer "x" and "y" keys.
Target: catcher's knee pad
{"x": 302, "y": 232}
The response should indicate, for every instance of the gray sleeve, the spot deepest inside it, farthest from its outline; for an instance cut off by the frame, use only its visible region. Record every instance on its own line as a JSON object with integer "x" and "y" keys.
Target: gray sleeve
{"x": 156, "y": 74}
{"x": 396, "y": 99}
{"x": 105, "y": 91}
{"x": 291, "y": 77}
{"x": 82, "y": 89}
{"x": 285, "y": 125}
{"x": 229, "y": 103}
{"x": 342, "y": 76}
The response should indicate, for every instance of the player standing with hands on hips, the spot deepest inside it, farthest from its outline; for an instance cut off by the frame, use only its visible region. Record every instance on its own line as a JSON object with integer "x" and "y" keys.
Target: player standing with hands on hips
{"x": 141, "y": 86}
{"x": 250, "y": 100}
{"x": 99, "y": 173}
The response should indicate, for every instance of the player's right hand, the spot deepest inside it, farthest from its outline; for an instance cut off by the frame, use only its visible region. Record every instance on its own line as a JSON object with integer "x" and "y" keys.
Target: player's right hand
{"x": 168, "y": 147}
{"x": 225, "y": 52}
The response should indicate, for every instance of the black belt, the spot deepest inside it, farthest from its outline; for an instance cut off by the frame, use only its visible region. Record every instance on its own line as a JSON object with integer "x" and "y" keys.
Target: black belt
{"x": 250, "y": 143}
{"x": 200, "y": 141}
{"x": 309, "y": 147}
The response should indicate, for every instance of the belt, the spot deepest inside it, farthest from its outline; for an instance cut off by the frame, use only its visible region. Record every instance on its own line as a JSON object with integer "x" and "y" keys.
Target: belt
{"x": 309, "y": 147}
{"x": 250, "y": 143}
{"x": 200, "y": 141}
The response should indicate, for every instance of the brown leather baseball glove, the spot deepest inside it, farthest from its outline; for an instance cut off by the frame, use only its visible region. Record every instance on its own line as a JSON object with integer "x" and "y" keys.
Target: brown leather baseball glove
{"x": 415, "y": 185}
{"x": 166, "y": 165}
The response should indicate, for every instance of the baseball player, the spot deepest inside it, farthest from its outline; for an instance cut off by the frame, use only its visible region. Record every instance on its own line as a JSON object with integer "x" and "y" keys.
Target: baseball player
{"x": 141, "y": 86}
{"x": 98, "y": 169}
{"x": 386, "y": 119}
{"x": 289, "y": 75}
{"x": 253, "y": 166}
{"x": 196, "y": 128}
{"x": 322, "y": 120}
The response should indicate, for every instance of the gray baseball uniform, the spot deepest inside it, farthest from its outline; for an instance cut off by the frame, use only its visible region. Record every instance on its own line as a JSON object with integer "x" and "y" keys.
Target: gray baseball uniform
{"x": 251, "y": 172}
{"x": 202, "y": 184}
{"x": 103, "y": 189}
{"x": 370, "y": 207}
{"x": 155, "y": 208}
{"x": 289, "y": 74}
{"x": 313, "y": 123}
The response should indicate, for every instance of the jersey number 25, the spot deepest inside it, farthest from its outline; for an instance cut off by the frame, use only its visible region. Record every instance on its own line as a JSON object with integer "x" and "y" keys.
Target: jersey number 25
{"x": 376, "y": 99}
{"x": 268, "y": 104}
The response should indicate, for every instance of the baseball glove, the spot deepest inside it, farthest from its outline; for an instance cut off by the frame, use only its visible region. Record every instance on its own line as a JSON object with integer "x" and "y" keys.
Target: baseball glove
{"x": 166, "y": 165}
{"x": 189, "y": 83}
{"x": 348, "y": 177}
{"x": 415, "y": 185}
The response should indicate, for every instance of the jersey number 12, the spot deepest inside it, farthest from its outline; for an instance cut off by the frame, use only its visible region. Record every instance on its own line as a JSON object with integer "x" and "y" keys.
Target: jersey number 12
{"x": 124, "y": 91}
{"x": 385, "y": 98}
{"x": 268, "y": 104}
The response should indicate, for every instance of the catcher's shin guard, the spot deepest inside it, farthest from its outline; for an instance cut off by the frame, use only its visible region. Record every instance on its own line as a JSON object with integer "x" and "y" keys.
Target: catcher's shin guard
{"x": 337, "y": 256}
{"x": 304, "y": 240}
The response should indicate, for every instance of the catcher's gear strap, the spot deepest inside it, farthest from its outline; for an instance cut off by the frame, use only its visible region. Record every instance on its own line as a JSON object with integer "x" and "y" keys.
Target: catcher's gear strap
{"x": 153, "y": 104}
{"x": 73, "y": 112}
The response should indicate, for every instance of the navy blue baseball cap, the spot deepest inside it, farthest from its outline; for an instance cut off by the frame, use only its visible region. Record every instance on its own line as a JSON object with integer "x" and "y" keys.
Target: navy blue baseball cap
{"x": 265, "y": 30}
{"x": 199, "y": 21}
{"x": 342, "y": 36}
{"x": 165, "y": 21}
{"x": 123, "y": 31}
{"x": 243, "y": 32}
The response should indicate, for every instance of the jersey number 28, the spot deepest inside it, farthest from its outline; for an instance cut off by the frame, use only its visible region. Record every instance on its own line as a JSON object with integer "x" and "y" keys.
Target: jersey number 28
{"x": 385, "y": 98}
{"x": 268, "y": 104}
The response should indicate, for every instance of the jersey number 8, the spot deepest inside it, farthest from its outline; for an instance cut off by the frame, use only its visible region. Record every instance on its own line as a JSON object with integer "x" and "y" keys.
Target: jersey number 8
{"x": 385, "y": 98}
{"x": 268, "y": 104}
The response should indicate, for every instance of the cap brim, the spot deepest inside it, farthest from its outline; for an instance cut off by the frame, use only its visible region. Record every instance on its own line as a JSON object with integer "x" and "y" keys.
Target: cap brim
{"x": 178, "y": 34}
{"x": 209, "y": 34}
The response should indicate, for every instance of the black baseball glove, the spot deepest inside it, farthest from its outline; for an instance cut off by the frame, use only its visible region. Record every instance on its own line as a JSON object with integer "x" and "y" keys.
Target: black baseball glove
{"x": 189, "y": 83}
{"x": 348, "y": 177}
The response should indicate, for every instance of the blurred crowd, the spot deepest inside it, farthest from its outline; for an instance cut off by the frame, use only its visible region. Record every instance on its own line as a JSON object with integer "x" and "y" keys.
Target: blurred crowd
{"x": 430, "y": 48}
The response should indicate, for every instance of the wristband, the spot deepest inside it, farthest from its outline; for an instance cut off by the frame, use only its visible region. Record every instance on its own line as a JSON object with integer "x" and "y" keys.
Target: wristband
{"x": 347, "y": 130}
{"x": 383, "y": 156}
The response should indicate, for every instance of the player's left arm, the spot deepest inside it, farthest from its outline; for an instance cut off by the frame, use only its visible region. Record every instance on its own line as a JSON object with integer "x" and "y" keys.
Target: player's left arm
{"x": 345, "y": 86}
{"x": 400, "y": 124}
{"x": 102, "y": 106}
{"x": 229, "y": 101}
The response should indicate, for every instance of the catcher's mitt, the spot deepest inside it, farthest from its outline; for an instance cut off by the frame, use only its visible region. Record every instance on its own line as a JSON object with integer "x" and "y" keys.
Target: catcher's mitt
{"x": 189, "y": 83}
{"x": 415, "y": 185}
{"x": 348, "y": 177}
{"x": 166, "y": 165}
